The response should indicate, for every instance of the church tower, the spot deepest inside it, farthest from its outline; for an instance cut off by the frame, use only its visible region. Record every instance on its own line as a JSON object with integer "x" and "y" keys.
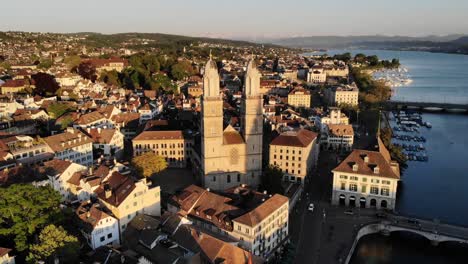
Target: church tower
{"x": 211, "y": 120}
{"x": 252, "y": 120}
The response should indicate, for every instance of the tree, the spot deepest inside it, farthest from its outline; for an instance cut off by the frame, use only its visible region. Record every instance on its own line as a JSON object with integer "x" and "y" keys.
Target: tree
{"x": 149, "y": 163}
{"x": 45, "y": 84}
{"x": 87, "y": 70}
{"x": 24, "y": 209}
{"x": 272, "y": 180}
{"x": 54, "y": 242}
{"x": 57, "y": 109}
{"x": 110, "y": 77}
{"x": 182, "y": 70}
{"x": 72, "y": 61}
{"x": 45, "y": 64}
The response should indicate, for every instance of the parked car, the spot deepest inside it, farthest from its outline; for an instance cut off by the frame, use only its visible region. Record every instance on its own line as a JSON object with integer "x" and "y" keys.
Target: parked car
{"x": 349, "y": 212}
{"x": 311, "y": 207}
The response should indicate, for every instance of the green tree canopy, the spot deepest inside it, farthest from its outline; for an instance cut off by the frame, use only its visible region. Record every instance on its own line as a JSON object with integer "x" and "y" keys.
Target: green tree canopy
{"x": 272, "y": 178}
{"x": 182, "y": 70}
{"x": 57, "y": 109}
{"x": 72, "y": 61}
{"x": 54, "y": 242}
{"x": 149, "y": 163}
{"x": 24, "y": 209}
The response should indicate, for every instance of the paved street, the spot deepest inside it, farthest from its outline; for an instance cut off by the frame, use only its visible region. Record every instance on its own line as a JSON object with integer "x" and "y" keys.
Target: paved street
{"x": 324, "y": 235}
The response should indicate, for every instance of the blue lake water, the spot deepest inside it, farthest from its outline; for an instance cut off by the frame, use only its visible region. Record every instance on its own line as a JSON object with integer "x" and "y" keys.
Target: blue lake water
{"x": 436, "y": 189}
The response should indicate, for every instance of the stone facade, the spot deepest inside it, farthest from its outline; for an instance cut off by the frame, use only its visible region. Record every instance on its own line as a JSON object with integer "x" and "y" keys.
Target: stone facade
{"x": 228, "y": 157}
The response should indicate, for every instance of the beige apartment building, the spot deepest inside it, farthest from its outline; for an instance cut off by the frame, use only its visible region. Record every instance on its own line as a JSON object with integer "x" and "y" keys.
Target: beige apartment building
{"x": 299, "y": 97}
{"x": 126, "y": 198}
{"x": 340, "y": 95}
{"x": 259, "y": 223}
{"x": 295, "y": 153}
{"x": 172, "y": 145}
{"x": 366, "y": 179}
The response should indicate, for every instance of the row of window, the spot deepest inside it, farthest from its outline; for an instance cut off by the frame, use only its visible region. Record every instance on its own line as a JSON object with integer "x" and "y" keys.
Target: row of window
{"x": 287, "y": 151}
{"x": 287, "y": 157}
{"x": 364, "y": 179}
{"x": 373, "y": 189}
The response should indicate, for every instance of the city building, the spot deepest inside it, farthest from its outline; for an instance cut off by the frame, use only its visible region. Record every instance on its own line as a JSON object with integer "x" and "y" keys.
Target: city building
{"x": 59, "y": 173}
{"x": 316, "y": 75}
{"x": 343, "y": 95}
{"x": 257, "y": 221}
{"x": 14, "y": 86}
{"x": 338, "y": 137}
{"x": 299, "y": 97}
{"x": 107, "y": 142}
{"x": 97, "y": 227}
{"x": 228, "y": 157}
{"x": 295, "y": 153}
{"x": 125, "y": 197}
{"x": 110, "y": 64}
{"x": 366, "y": 179}
{"x": 334, "y": 117}
{"x": 27, "y": 150}
{"x": 174, "y": 146}
{"x": 5, "y": 257}
{"x": 72, "y": 145}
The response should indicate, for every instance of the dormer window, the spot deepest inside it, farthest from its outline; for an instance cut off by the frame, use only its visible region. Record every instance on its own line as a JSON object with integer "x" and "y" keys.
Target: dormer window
{"x": 376, "y": 170}
{"x": 355, "y": 167}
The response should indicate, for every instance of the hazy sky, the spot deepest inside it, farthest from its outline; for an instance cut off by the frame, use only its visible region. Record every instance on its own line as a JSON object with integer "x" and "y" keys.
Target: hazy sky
{"x": 239, "y": 18}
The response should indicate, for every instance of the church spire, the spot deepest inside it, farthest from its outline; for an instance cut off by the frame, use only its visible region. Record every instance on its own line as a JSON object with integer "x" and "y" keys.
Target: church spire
{"x": 252, "y": 79}
{"x": 210, "y": 79}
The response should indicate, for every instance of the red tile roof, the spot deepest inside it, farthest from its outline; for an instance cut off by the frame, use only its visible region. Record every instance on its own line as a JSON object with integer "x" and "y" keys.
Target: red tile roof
{"x": 301, "y": 138}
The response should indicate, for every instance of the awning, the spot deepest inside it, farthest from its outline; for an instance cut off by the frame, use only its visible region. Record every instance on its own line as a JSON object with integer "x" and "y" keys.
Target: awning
{"x": 342, "y": 196}
{"x": 362, "y": 199}
{"x": 352, "y": 198}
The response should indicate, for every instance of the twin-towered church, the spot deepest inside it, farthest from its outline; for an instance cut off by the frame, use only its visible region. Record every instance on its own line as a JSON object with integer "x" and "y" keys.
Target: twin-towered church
{"x": 229, "y": 157}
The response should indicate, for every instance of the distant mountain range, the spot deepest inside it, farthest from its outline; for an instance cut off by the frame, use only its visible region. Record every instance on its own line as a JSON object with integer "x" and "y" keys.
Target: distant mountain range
{"x": 449, "y": 43}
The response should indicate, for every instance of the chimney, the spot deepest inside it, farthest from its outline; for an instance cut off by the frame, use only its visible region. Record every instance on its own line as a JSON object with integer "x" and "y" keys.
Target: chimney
{"x": 207, "y": 189}
{"x": 88, "y": 214}
{"x": 108, "y": 191}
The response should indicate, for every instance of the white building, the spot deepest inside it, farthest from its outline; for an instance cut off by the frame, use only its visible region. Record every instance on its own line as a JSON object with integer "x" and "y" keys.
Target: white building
{"x": 366, "y": 179}
{"x": 316, "y": 75}
{"x": 334, "y": 117}
{"x": 59, "y": 173}
{"x": 72, "y": 145}
{"x": 338, "y": 137}
{"x": 5, "y": 257}
{"x": 109, "y": 142}
{"x": 97, "y": 227}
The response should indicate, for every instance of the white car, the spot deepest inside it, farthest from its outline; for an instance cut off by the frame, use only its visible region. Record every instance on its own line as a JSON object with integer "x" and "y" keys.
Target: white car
{"x": 311, "y": 207}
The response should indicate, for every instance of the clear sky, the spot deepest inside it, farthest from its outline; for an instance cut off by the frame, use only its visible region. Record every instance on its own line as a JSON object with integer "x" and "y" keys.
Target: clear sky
{"x": 239, "y": 18}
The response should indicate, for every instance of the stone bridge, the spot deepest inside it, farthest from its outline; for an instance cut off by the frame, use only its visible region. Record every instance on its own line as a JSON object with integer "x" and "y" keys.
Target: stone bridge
{"x": 432, "y": 230}
{"x": 390, "y": 105}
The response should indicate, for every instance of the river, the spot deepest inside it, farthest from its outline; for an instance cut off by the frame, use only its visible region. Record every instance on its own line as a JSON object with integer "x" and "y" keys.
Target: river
{"x": 436, "y": 189}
